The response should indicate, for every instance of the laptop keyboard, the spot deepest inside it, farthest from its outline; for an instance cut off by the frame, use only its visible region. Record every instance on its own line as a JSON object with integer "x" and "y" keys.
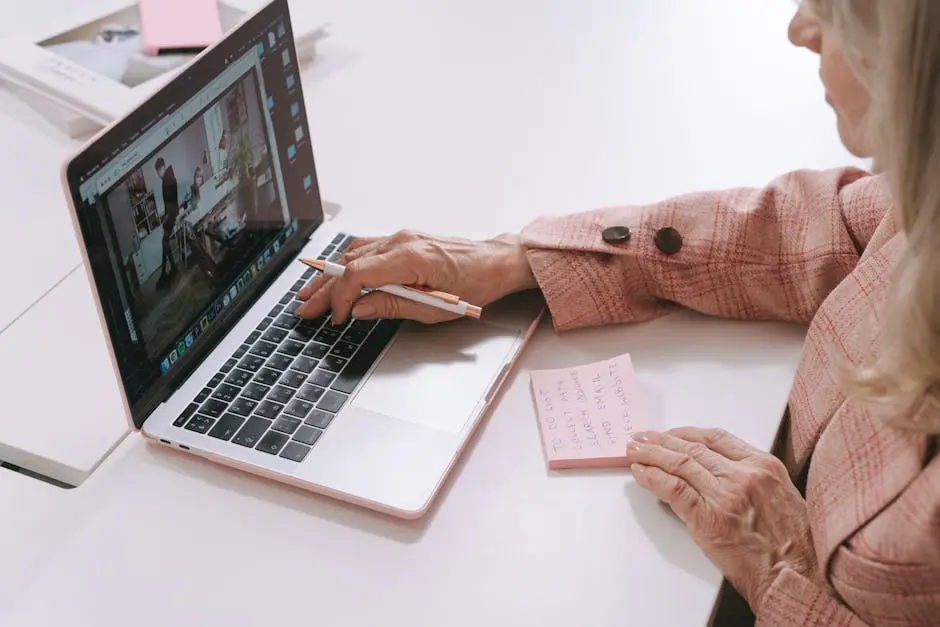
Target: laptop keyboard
{"x": 282, "y": 388}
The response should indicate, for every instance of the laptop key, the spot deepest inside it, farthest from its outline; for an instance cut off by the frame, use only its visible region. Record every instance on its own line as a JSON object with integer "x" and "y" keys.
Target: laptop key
{"x": 183, "y": 417}
{"x": 304, "y": 364}
{"x": 293, "y": 378}
{"x": 243, "y": 406}
{"x": 280, "y": 394}
{"x": 308, "y": 274}
{"x": 286, "y": 321}
{"x": 322, "y": 378}
{"x": 273, "y": 442}
{"x": 333, "y": 363}
{"x": 241, "y": 350}
{"x": 344, "y": 349}
{"x": 290, "y": 347}
{"x": 226, "y": 392}
{"x": 298, "y": 408}
{"x": 339, "y": 239}
{"x": 362, "y": 325}
{"x": 215, "y": 380}
{"x": 227, "y": 366}
{"x": 274, "y": 311}
{"x": 263, "y": 349}
{"x": 252, "y": 337}
{"x": 267, "y": 376}
{"x": 255, "y": 391}
{"x": 251, "y": 363}
{"x": 332, "y": 402}
{"x": 339, "y": 328}
{"x": 203, "y": 395}
{"x": 318, "y": 322}
{"x": 286, "y": 298}
{"x": 307, "y": 435}
{"x": 292, "y": 306}
{"x": 269, "y": 409}
{"x": 280, "y": 362}
{"x": 199, "y": 423}
{"x": 264, "y": 324}
{"x": 226, "y": 426}
{"x": 286, "y": 424}
{"x": 358, "y": 366}
{"x": 303, "y": 333}
{"x": 310, "y": 393}
{"x": 274, "y": 335}
{"x": 354, "y": 336}
{"x": 296, "y": 287}
{"x": 251, "y": 432}
{"x": 295, "y": 451}
{"x": 319, "y": 419}
{"x": 238, "y": 377}
{"x": 327, "y": 335}
{"x": 213, "y": 407}
{"x": 315, "y": 351}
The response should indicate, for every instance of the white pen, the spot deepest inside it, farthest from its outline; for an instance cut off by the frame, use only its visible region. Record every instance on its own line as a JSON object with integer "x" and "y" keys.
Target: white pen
{"x": 432, "y": 298}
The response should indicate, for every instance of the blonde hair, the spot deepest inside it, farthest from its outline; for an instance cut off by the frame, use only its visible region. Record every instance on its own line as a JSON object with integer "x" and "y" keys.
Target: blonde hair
{"x": 893, "y": 46}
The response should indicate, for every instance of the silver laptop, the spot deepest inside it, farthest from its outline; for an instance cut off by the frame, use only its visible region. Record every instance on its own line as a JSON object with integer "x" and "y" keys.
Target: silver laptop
{"x": 191, "y": 213}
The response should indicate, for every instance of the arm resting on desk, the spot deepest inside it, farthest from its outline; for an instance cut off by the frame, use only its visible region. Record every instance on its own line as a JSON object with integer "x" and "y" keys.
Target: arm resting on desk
{"x": 772, "y": 253}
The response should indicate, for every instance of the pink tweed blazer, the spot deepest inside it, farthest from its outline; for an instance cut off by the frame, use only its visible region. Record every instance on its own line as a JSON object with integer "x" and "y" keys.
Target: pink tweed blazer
{"x": 813, "y": 247}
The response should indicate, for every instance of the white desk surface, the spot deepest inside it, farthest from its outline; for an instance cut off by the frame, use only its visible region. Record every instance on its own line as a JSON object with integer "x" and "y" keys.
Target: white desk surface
{"x": 465, "y": 119}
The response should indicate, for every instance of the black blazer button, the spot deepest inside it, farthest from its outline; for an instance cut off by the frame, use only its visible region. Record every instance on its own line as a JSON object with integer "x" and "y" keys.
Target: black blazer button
{"x": 616, "y": 234}
{"x": 668, "y": 240}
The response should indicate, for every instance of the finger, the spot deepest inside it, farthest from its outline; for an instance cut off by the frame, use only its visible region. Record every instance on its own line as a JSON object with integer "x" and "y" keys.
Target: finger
{"x": 319, "y": 301}
{"x": 313, "y": 286}
{"x": 680, "y": 496}
{"x": 368, "y": 272}
{"x": 356, "y": 246}
{"x": 678, "y": 464}
{"x": 718, "y": 440}
{"x": 359, "y": 242}
{"x": 370, "y": 248}
{"x": 709, "y": 459}
{"x": 382, "y": 306}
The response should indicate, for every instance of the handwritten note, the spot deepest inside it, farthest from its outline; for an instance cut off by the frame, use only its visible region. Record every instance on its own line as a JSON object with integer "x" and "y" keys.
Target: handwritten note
{"x": 587, "y": 413}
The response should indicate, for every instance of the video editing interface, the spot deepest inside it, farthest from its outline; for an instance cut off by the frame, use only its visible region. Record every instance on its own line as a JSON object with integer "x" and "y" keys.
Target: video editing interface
{"x": 196, "y": 204}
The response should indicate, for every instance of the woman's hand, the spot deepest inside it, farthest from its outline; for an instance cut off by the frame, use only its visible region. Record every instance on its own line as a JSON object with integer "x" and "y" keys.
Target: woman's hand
{"x": 738, "y": 503}
{"x": 478, "y": 272}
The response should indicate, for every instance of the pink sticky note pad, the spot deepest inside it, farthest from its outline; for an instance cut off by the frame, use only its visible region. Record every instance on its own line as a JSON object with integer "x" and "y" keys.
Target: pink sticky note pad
{"x": 587, "y": 413}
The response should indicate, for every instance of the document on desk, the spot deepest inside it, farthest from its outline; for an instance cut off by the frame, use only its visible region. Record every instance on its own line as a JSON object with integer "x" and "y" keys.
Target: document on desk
{"x": 586, "y": 414}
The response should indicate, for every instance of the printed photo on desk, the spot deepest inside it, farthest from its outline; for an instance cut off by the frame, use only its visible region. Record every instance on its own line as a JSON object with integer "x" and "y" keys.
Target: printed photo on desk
{"x": 111, "y": 46}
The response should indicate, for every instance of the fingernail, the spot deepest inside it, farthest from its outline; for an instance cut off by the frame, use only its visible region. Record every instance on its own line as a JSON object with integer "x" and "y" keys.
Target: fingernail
{"x": 633, "y": 447}
{"x": 637, "y": 468}
{"x": 363, "y": 310}
{"x": 642, "y": 436}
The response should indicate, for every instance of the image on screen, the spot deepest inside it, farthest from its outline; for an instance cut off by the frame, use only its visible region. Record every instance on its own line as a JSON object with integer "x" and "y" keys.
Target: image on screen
{"x": 191, "y": 217}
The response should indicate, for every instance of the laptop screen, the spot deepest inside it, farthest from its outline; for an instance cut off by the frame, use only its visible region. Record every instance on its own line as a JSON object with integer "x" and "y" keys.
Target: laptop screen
{"x": 190, "y": 205}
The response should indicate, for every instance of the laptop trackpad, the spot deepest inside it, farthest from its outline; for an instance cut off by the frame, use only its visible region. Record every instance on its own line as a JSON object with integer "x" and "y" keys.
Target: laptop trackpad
{"x": 435, "y": 375}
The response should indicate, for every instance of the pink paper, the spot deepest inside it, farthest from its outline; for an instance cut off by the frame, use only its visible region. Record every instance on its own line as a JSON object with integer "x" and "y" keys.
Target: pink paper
{"x": 587, "y": 413}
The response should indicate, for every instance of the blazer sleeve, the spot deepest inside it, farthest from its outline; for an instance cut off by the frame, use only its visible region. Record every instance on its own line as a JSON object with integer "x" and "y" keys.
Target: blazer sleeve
{"x": 771, "y": 253}
{"x": 794, "y": 600}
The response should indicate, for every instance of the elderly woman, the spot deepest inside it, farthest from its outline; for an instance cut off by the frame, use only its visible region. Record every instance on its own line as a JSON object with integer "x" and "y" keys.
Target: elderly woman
{"x": 845, "y": 529}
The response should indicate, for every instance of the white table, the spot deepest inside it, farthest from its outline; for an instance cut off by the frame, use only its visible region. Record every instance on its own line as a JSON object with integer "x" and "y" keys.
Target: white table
{"x": 471, "y": 119}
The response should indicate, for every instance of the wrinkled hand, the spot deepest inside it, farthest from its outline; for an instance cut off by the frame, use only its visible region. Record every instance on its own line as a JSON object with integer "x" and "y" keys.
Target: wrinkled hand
{"x": 737, "y": 502}
{"x": 480, "y": 272}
